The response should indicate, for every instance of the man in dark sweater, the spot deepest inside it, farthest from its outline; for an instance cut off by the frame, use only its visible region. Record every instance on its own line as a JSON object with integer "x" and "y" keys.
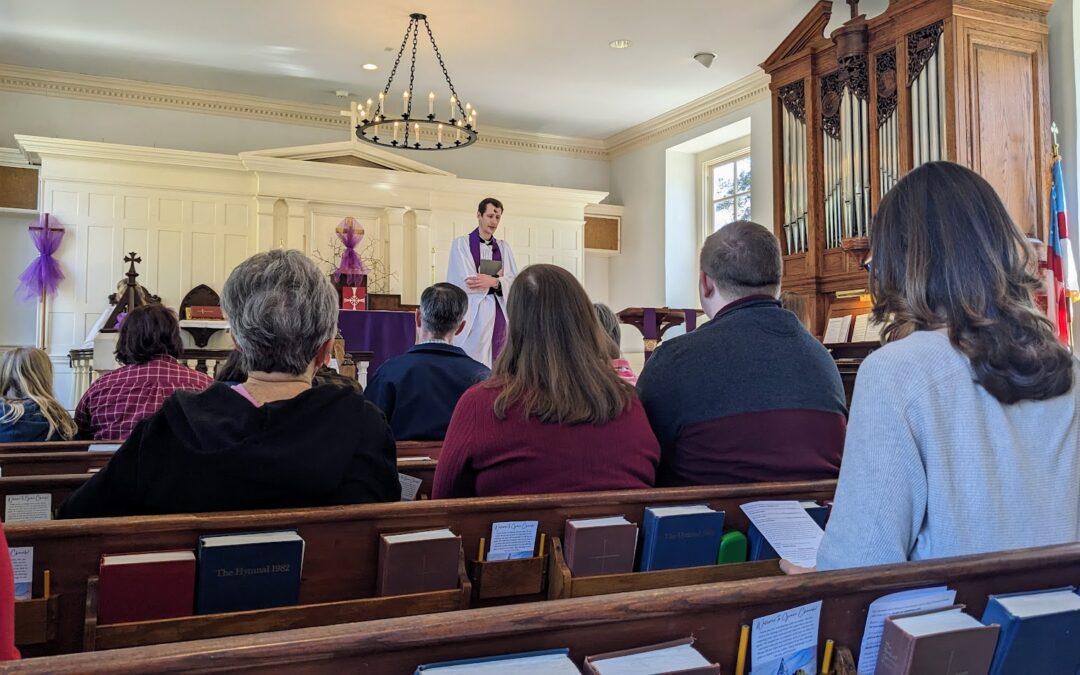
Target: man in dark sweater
{"x": 750, "y": 396}
{"x": 419, "y": 389}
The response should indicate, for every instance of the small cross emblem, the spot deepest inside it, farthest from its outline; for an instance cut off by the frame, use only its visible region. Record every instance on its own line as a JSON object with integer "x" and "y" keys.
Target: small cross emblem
{"x": 604, "y": 557}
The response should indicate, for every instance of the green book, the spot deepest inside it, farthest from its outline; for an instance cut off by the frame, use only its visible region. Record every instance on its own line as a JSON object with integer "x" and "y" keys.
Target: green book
{"x": 732, "y": 548}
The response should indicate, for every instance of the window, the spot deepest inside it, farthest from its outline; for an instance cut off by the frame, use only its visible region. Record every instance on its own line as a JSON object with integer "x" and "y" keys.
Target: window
{"x": 728, "y": 187}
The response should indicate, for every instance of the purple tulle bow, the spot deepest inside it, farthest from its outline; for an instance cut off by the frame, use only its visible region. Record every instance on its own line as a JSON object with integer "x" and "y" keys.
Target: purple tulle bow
{"x": 352, "y": 267}
{"x": 43, "y": 275}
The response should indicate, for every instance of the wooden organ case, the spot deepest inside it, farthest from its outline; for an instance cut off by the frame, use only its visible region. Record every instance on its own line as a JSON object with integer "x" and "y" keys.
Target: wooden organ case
{"x": 960, "y": 80}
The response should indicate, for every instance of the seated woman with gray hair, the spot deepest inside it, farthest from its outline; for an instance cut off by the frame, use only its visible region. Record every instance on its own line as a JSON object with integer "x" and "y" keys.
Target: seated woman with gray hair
{"x": 273, "y": 441}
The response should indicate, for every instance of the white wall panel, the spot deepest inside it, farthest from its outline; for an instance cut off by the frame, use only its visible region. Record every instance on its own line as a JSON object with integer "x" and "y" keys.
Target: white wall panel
{"x": 170, "y": 264}
{"x": 202, "y": 259}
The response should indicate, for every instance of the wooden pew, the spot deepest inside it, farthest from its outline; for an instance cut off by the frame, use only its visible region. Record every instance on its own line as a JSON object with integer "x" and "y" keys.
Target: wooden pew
{"x": 61, "y": 485}
{"x": 429, "y": 449}
{"x": 712, "y": 613}
{"x": 342, "y": 542}
{"x": 49, "y": 463}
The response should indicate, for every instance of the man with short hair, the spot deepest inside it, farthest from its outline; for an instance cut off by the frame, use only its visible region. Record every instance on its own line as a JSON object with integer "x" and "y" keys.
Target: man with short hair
{"x": 750, "y": 396}
{"x": 483, "y": 267}
{"x": 419, "y": 389}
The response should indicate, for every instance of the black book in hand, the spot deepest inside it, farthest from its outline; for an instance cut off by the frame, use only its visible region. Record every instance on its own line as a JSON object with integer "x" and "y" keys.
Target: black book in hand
{"x": 490, "y": 267}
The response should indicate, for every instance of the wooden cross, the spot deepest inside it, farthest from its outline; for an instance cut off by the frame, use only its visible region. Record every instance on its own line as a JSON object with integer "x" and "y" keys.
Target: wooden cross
{"x": 46, "y": 228}
{"x": 132, "y": 275}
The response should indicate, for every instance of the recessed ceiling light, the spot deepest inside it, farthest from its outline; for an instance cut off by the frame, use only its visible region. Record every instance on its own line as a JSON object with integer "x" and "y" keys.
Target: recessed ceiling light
{"x": 369, "y": 66}
{"x": 619, "y": 44}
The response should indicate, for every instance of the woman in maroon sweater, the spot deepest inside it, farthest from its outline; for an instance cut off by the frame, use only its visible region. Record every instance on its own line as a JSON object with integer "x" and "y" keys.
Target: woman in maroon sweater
{"x": 554, "y": 417}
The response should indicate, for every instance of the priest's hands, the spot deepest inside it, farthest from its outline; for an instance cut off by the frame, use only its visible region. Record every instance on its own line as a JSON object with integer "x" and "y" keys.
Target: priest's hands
{"x": 478, "y": 282}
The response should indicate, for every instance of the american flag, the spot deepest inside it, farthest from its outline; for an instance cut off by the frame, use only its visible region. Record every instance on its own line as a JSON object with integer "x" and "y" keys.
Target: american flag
{"x": 1059, "y": 256}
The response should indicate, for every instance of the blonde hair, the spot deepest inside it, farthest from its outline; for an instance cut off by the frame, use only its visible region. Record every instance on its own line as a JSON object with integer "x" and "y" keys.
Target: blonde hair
{"x": 26, "y": 373}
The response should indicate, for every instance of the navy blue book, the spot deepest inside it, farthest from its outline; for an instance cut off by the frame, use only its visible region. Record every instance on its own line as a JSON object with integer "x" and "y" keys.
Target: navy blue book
{"x": 1040, "y": 632}
{"x": 681, "y": 536}
{"x": 759, "y": 547}
{"x": 547, "y": 662}
{"x": 255, "y": 570}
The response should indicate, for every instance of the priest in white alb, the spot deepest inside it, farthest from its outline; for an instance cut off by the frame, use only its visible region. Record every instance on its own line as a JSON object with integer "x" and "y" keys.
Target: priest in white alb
{"x": 484, "y": 268}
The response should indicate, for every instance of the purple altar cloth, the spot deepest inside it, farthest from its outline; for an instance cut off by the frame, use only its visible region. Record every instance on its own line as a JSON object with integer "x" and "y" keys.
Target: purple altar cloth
{"x": 386, "y": 334}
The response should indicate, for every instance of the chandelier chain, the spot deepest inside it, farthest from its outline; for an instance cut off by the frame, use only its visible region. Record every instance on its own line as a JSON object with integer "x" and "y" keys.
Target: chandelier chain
{"x": 412, "y": 77}
{"x": 393, "y": 71}
{"x": 446, "y": 74}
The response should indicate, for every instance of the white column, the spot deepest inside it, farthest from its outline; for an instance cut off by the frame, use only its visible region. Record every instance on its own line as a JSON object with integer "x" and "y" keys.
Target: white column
{"x": 298, "y": 225}
{"x": 422, "y": 255}
{"x": 397, "y": 246}
{"x": 264, "y": 223}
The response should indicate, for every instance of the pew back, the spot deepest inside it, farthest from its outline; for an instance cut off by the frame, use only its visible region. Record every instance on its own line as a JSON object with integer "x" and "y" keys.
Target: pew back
{"x": 342, "y": 542}
{"x": 712, "y": 613}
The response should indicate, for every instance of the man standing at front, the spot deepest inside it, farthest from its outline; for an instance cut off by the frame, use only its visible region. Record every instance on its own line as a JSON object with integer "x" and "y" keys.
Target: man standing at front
{"x": 486, "y": 283}
{"x": 750, "y": 396}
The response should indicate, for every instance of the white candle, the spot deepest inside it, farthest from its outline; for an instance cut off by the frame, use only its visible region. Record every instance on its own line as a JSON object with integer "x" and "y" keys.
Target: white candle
{"x": 416, "y": 130}
{"x": 395, "y": 130}
{"x": 370, "y": 110}
{"x": 468, "y": 112}
{"x": 474, "y": 119}
{"x": 457, "y": 125}
{"x": 453, "y": 105}
{"x": 439, "y": 138}
{"x": 431, "y": 104}
{"x": 405, "y": 104}
{"x": 382, "y": 96}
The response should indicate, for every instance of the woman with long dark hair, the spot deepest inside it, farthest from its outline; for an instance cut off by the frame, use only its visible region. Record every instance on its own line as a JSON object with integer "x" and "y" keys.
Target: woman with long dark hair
{"x": 964, "y": 435}
{"x": 554, "y": 417}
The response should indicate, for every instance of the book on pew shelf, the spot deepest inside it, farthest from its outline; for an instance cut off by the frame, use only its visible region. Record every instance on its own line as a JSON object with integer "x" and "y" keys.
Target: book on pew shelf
{"x": 145, "y": 586}
{"x": 681, "y": 536}
{"x": 595, "y": 546}
{"x": 547, "y": 662}
{"x": 418, "y": 562}
{"x": 759, "y": 548}
{"x": 936, "y": 642}
{"x": 1040, "y": 632}
{"x": 670, "y": 658}
{"x": 254, "y": 570}
{"x": 732, "y": 548}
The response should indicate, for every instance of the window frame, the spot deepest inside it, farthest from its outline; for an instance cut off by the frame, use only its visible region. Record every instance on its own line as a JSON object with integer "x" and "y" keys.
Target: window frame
{"x": 708, "y": 204}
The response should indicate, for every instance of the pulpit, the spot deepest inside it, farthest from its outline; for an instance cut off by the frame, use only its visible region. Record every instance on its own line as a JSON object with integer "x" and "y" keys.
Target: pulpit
{"x": 653, "y": 322}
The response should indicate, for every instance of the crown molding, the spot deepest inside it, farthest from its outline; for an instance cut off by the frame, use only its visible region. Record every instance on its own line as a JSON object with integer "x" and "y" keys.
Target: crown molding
{"x": 736, "y": 95}
{"x": 36, "y": 146}
{"x": 174, "y": 97}
{"x": 14, "y": 157}
{"x": 189, "y": 99}
{"x": 365, "y": 151}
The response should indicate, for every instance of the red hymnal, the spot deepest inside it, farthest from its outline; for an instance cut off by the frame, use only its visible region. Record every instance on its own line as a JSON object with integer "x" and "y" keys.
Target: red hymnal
{"x": 205, "y": 312}
{"x": 146, "y": 586}
{"x": 595, "y": 546}
{"x": 418, "y": 562}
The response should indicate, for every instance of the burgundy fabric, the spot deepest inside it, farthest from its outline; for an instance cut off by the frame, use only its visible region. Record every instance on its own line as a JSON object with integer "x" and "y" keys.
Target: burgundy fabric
{"x": 483, "y": 456}
{"x": 385, "y": 334}
{"x": 759, "y": 447}
{"x": 120, "y": 399}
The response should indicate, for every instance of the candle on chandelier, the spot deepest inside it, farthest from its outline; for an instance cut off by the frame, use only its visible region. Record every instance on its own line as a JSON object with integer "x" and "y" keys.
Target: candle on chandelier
{"x": 474, "y": 119}
{"x": 431, "y": 104}
{"x": 382, "y": 97}
{"x": 457, "y": 125}
{"x": 405, "y": 104}
{"x": 438, "y": 138}
{"x": 468, "y": 112}
{"x": 396, "y": 130}
{"x": 453, "y": 104}
{"x": 369, "y": 108}
{"x": 416, "y": 130}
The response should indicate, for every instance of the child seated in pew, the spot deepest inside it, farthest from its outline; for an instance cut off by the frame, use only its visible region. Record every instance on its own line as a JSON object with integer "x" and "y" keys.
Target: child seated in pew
{"x": 274, "y": 441}
{"x": 964, "y": 435}
{"x": 555, "y": 416}
{"x": 29, "y": 412}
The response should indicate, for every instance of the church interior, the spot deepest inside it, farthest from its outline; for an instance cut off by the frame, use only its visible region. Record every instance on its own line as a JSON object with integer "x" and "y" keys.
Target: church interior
{"x": 168, "y": 155}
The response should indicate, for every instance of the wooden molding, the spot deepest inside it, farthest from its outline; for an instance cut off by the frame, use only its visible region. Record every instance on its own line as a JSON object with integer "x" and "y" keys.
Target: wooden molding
{"x": 738, "y": 94}
{"x": 811, "y": 28}
{"x": 13, "y": 157}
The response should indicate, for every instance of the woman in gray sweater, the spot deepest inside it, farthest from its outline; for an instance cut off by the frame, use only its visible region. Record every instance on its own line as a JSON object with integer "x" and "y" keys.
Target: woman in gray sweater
{"x": 964, "y": 435}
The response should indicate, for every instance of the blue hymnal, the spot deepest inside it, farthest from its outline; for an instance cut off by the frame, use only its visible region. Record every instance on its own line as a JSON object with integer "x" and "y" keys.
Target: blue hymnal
{"x": 548, "y": 662}
{"x": 759, "y": 546}
{"x": 681, "y": 536}
{"x": 1040, "y": 632}
{"x": 248, "y": 571}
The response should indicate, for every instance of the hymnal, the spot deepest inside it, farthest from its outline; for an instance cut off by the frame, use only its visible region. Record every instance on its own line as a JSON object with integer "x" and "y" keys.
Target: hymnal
{"x": 145, "y": 586}
{"x": 1040, "y": 632}
{"x": 548, "y": 662}
{"x": 418, "y": 562}
{"x": 681, "y": 536}
{"x": 204, "y": 312}
{"x": 490, "y": 267}
{"x": 669, "y": 658}
{"x": 249, "y": 571}
{"x": 936, "y": 642}
{"x": 595, "y": 546}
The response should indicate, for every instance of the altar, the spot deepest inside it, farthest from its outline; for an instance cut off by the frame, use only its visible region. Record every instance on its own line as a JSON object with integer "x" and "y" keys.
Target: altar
{"x": 384, "y": 334}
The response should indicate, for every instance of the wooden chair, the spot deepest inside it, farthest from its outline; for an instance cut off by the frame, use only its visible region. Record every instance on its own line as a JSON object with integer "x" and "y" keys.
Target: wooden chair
{"x": 713, "y": 613}
{"x": 342, "y": 542}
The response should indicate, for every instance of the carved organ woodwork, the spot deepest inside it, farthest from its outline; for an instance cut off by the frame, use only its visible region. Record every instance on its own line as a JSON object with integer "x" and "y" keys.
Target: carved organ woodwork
{"x": 959, "y": 80}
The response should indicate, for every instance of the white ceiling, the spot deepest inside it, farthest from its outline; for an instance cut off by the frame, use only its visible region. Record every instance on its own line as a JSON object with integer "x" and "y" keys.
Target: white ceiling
{"x": 534, "y": 65}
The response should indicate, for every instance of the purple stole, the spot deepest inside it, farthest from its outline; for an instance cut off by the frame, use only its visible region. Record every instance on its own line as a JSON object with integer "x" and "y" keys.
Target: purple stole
{"x": 498, "y": 335}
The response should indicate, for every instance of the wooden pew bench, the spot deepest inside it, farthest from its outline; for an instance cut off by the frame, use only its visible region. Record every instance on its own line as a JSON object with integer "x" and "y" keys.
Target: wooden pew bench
{"x": 49, "y": 463}
{"x": 61, "y": 485}
{"x": 430, "y": 449}
{"x": 342, "y": 542}
{"x": 712, "y": 613}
